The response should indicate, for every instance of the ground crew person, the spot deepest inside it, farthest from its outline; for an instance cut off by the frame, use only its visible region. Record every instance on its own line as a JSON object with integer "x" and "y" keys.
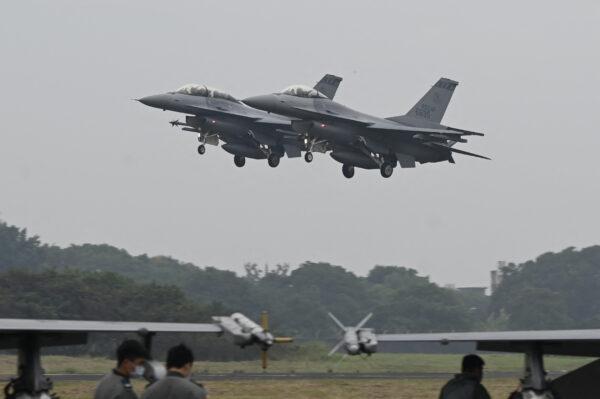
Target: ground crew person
{"x": 467, "y": 385}
{"x": 131, "y": 356}
{"x": 177, "y": 383}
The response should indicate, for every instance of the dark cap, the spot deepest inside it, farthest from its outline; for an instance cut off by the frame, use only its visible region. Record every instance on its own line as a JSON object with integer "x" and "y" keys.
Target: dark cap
{"x": 178, "y": 356}
{"x": 131, "y": 349}
{"x": 472, "y": 362}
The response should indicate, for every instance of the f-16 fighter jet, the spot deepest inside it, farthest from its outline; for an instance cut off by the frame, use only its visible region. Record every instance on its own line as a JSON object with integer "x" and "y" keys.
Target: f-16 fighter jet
{"x": 247, "y": 132}
{"x": 365, "y": 141}
{"x": 356, "y": 340}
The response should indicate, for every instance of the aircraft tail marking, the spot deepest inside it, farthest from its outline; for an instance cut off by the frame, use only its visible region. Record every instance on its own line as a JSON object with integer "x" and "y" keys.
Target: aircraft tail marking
{"x": 328, "y": 85}
{"x": 433, "y": 104}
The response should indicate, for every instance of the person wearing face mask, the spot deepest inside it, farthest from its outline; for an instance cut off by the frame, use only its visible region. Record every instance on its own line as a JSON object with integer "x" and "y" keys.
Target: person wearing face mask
{"x": 131, "y": 356}
{"x": 177, "y": 383}
{"x": 467, "y": 385}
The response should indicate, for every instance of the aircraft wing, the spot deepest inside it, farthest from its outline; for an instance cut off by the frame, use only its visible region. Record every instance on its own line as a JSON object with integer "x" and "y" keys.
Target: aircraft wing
{"x": 553, "y": 342}
{"x": 245, "y": 114}
{"x": 11, "y": 326}
{"x": 455, "y": 150}
{"x": 321, "y": 116}
{"x": 75, "y": 332}
{"x": 390, "y": 126}
{"x": 466, "y": 132}
{"x": 395, "y": 127}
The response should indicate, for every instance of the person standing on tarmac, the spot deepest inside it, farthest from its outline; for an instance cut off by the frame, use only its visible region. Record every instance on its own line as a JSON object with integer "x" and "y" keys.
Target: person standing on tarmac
{"x": 467, "y": 385}
{"x": 177, "y": 384}
{"x": 131, "y": 356}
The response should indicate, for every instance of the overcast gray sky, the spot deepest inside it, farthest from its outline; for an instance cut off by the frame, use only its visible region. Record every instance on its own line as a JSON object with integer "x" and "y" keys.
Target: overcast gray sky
{"x": 81, "y": 162}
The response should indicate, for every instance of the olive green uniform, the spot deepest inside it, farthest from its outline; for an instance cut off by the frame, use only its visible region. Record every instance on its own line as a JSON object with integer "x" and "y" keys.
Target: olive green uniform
{"x": 114, "y": 386}
{"x": 464, "y": 386}
{"x": 174, "y": 386}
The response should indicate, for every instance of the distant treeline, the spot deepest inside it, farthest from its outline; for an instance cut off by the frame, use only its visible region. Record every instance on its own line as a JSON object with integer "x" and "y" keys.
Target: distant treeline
{"x": 88, "y": 281}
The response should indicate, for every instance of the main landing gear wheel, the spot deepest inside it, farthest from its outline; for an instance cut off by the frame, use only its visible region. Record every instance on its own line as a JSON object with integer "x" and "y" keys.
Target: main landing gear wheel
{"x": 201, "y": 149}
{"x": 348, "y": 171}
{"x": 308, "y": 157}
{"x": 239, "y": 160}
{"x": 273, "y": 160}
{"x": 387, "y": 169}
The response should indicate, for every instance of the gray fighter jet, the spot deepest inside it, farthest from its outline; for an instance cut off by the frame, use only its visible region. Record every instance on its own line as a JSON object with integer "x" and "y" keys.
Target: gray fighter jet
{"x": 365, "y": 141}
{"x": 247, "y": 132}
{"x": 356, "y": 340}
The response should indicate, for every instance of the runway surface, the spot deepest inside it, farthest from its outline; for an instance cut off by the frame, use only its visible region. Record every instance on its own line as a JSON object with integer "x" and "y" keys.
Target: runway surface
{"x": 295, "y": 376}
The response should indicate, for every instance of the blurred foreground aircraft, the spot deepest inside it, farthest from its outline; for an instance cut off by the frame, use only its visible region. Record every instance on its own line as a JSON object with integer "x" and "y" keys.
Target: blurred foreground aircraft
{"x": 29, "y": 336}
{"x": 578, "y": 384}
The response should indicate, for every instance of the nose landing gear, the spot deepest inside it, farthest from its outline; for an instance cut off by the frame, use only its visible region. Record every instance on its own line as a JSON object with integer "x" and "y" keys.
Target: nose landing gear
{"x": 386, "y": 169}
{"x": 348, "y": 171}
{"x": 273, "y": 160}
{"x": 239, "y": 161}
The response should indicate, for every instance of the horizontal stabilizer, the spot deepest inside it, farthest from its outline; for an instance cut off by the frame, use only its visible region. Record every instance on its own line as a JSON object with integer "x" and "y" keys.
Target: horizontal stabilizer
{"x": 456, "y": 150}
{"x": 465, "y": 132}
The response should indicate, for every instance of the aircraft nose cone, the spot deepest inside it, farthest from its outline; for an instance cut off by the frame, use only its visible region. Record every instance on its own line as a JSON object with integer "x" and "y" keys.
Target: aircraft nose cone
{"x": 152, "y": 101}
{"x": 259, "y": 102}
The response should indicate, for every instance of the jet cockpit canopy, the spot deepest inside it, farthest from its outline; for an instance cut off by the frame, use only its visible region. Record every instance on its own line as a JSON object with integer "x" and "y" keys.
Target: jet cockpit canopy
{"x": 204, "y": 91}
{"x": 303, "y": 91}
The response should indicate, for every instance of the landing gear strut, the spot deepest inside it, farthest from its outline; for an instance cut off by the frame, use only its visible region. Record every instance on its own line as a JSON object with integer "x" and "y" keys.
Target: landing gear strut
{"x": 308, "y": 157}
{"x": 31, "y": 382}
{"x": 201, "y": 149}
{"x": 348, "y": 171}
{"x": 535, "y": 384}
{"x": 239, "y": 161}
{"x": 273, "y": 160}
{"x": 386, "y": 169}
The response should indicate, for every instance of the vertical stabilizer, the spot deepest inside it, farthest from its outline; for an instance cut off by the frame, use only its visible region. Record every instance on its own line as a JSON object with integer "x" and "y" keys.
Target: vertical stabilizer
{"x": 328, "y": 85}
{"x": 434, "y": 103}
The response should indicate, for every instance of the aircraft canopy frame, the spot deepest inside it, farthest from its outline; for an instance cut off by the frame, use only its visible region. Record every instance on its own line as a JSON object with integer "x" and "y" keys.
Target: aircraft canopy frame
{"x": 303, "y": 91}
{"x": 193, "y": 89}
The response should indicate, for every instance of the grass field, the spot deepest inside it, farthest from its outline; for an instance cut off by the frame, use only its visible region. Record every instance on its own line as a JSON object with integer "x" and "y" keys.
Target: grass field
{"x": 309, "y": 389}
{"x": 317, "y": 388}
{"x": 379, "y": 363}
